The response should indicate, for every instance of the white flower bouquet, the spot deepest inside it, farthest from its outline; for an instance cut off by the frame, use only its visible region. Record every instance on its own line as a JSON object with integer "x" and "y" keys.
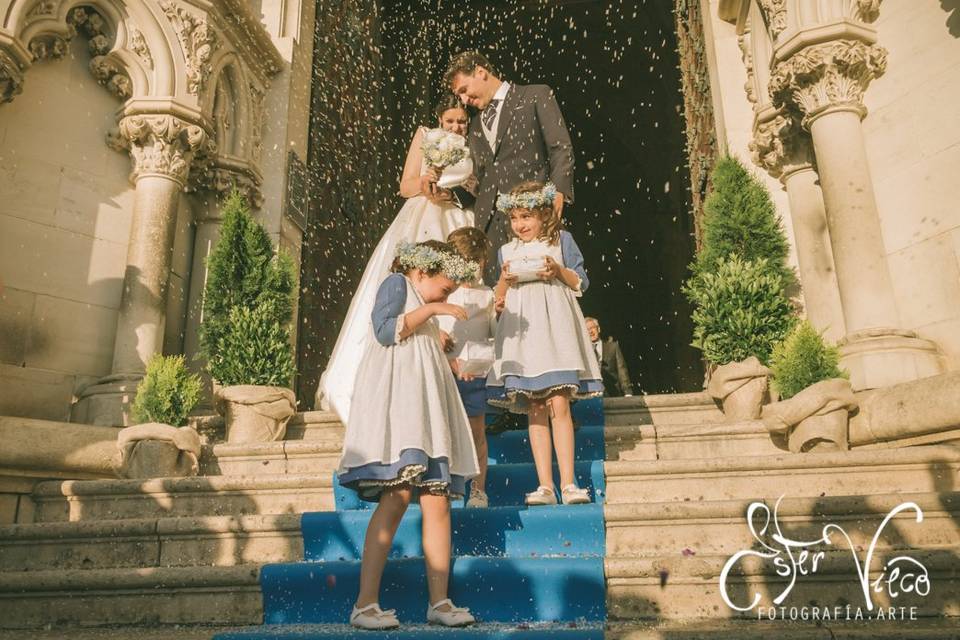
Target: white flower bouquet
{"x": 442, "y": 149}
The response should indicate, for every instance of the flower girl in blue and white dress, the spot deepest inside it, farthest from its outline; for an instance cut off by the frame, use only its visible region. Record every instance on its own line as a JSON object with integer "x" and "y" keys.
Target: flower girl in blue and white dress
{"x": 544, "y": 357}
{"x": 408, "y": 436}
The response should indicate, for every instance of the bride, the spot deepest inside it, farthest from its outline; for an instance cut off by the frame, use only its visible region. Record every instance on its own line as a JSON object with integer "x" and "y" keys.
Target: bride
{"x": 431, "y": 212}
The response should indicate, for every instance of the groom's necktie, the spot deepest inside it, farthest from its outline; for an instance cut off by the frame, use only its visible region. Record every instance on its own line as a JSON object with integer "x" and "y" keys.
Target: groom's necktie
{"x": 490, "y": 114}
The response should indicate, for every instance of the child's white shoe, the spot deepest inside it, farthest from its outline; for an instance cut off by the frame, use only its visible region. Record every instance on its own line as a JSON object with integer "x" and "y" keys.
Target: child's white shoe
{"x": 372, "y": 617}
{"x": 452, "y": 617}
{"x": 478, "y": 499}
{"x": 542, "y": 496}
{"x": 572, "y": 494}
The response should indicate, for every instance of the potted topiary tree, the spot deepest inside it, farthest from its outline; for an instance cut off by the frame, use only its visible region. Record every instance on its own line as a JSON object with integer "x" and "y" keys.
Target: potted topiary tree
{"x": 245, "y": 334}
{"x": 160, "y": 445}
{"x": 817, "y": 397}
{"x": 738, "y": 287}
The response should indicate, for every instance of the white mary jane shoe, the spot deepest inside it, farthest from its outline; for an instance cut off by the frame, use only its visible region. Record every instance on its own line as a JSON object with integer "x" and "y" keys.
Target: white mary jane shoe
{"x": 572, "y": 494}
{"x": 541, "y": 497}
{"x": 374, "y": 618}
{"x": 455, "y": 617}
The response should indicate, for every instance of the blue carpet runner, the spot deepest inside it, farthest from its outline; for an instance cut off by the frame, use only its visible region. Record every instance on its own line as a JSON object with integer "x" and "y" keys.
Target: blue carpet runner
{"x": 525, "y": 573}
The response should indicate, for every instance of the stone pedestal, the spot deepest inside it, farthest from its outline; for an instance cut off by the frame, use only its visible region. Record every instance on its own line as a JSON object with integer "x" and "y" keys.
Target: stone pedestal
{"x": 161, "y": 147}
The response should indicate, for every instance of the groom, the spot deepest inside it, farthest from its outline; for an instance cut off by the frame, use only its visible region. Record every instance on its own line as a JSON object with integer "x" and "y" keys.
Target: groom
{"x": 520, "y": 135}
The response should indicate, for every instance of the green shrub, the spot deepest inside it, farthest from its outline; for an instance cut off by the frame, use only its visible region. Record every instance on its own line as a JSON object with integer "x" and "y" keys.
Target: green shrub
{"x": 739, "y": 218}
{"x": 255, "y": 349}
{"x": 167, "y": 393}
{"x": 740, "y": 310}
{"x": 248, "y": 296}
{"x": 802, "y": 359}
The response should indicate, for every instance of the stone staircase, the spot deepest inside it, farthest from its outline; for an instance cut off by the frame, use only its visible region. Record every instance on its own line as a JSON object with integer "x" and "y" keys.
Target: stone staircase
{"x": 178, "y": 555}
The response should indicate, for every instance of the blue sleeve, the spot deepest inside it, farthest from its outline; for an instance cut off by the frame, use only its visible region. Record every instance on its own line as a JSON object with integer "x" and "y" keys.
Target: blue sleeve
{"x": 573, "y": 259}
{"x": 391, "y": 298}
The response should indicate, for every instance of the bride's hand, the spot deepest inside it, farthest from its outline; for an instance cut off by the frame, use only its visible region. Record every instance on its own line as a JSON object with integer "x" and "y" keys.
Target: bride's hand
{"x": 447, "y": 309}
{"x": 428, "y": 185}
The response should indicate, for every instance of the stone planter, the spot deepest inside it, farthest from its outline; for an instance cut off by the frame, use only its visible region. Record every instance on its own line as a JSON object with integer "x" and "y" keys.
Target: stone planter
{"x": 254, "y": 413}
{"x": 741, "y": 388}
{"x": 816, "y": 419}
{"x": 155, "y": 450}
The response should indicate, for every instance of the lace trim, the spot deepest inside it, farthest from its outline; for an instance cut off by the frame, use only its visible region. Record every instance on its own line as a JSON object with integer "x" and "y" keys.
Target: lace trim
{"x": 514, "y": 396}
{"x": 409, "y": 475}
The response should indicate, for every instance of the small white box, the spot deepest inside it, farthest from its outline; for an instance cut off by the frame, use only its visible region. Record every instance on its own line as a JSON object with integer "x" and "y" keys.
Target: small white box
{"x": 526, "y": 268}
{"x": 476, "y": 358}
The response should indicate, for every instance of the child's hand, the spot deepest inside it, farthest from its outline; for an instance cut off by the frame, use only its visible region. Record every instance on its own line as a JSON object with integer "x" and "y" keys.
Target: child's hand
{"x": 551, "y": 269}
{"x": 505, "y": 276}
{"x": 447, "y": 309}
{"x": 446, "y": 342}
{"x": 499, "y": 304}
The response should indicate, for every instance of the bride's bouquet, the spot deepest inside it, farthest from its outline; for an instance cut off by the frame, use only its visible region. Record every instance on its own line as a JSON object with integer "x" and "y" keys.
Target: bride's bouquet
{"x": 442, "y": 149}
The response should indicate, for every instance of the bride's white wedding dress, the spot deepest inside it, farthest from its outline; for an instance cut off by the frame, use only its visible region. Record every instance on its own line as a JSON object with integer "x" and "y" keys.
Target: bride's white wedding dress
{"x": 418, "y": 220}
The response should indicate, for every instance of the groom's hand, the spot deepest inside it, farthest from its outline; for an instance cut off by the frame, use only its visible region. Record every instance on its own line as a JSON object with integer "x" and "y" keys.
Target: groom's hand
{"x": 558, "y": 205}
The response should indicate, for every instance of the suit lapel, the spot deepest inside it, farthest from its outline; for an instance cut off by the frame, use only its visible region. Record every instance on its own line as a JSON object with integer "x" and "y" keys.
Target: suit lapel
{"x": 478, "y": 142}
{"x": 506, "y": 114}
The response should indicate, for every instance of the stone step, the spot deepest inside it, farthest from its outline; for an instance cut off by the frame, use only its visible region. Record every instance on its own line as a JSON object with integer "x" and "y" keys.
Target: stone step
{"x": 86, "y": 500}
{"x": 909, "y": 470}
{"x": 146, "y": 596}
{"x": 675, "y": 529}
{"x": 158, "y": 542}
{"x": 305, "y": 425}
{"x": 661, "y": 409}
{"x": 319, "y": 455}
{"x": 688, "y": 588}
{"x": 691, "y": 441}
{"x": 116, "y": 632}
{"x": 481, "y": 631}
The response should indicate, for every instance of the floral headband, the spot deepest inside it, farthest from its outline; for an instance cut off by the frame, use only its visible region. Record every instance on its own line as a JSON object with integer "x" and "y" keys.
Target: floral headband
{"x": 418, "y": 256}
{"x": 528, "y": 199}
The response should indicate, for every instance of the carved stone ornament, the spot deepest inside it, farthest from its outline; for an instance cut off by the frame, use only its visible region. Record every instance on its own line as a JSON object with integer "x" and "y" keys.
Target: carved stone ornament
{"x": 775, "y": 12}
{"x": 868, "y": 10}
{"x": 11, "y": 77}
{"x": 138, "y": 44}
{"x": 43, "y": 8}
{"x": 111, "y": 76}
{"x": 198, "y": 40}
{"x": 48, "y": 47}
{"x": 750, "y": 85}
{"x": 159, "y": 144}
{"x": 780, "y": 145}
{"x": 827, "y": 75}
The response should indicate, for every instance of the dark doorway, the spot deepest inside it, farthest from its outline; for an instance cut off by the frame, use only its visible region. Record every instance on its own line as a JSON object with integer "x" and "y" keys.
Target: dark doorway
{"x": 614, "y": 68}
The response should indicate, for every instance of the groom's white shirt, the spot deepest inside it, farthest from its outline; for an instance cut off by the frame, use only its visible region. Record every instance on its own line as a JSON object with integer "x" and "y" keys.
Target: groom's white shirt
{"x": 491, "y": 133}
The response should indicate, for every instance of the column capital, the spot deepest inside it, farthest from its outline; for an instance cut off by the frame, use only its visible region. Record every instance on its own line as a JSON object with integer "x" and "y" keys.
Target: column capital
{"x": 780, "y": 145}
{"x": 159, "y": 144}
{"x": 827, "y": 77}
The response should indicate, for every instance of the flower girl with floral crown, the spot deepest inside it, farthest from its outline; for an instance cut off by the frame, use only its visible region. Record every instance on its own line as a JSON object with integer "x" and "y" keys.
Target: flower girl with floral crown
{"x": 408, "y": 436}
{"x": 543, "y": 355}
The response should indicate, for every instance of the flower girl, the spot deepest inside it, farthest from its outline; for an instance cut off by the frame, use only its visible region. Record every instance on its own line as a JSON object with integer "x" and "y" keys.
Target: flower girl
{"x": 408, "y": 436}
{"x": 471, "y": 347}
{"x": 543, "y": 354}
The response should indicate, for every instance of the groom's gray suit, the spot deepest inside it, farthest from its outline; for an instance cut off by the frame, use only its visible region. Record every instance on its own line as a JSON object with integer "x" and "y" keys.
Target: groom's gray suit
{"x": 532, "y": 144}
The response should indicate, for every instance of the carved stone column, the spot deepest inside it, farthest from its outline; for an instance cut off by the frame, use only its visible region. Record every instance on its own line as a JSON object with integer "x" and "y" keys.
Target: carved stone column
{"x": 826, "y": 82}
{"x": 780, "y": 147}
{"x": 161, "y": 147}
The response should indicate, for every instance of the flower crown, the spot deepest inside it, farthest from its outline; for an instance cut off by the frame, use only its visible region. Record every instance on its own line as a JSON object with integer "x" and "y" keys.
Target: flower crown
{"x": 528, "y": 199}
{"x": 418, "y": 256}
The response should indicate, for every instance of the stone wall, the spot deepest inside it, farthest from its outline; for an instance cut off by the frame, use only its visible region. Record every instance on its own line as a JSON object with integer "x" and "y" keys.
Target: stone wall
{"x": 65, "y": 214}
{"x": 913, "y": 144}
